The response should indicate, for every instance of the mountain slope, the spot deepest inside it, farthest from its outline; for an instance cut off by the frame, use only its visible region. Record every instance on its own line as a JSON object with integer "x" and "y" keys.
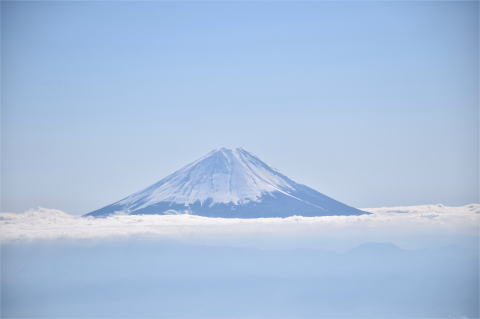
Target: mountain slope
{"x": 228, "y": 183}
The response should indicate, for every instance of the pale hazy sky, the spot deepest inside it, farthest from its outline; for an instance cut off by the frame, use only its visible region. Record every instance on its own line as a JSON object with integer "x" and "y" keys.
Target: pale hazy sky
{"x": 372, "y": 103}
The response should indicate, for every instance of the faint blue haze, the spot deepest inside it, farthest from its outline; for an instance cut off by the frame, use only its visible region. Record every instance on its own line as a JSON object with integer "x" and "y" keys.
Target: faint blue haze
{"x": 155, "y": 279}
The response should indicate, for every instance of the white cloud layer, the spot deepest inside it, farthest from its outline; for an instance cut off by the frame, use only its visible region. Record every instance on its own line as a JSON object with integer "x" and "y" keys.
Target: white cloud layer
{"x": 408, "y": 227}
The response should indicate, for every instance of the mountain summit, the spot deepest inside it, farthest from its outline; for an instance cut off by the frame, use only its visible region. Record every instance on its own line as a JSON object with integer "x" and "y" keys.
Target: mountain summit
{"x": 228, "y": 183}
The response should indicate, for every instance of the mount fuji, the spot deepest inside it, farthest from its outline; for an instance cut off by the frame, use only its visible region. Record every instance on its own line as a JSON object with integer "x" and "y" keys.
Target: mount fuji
{"x": 228, "y": 183}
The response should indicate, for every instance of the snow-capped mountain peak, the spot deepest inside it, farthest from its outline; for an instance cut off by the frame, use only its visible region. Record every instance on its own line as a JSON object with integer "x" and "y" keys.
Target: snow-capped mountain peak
{"x": 222, "y": 176}
{"x": 223, "y": 183}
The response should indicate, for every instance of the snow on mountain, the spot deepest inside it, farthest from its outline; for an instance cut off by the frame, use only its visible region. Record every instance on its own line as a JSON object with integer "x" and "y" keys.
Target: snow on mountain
{"x": 228, "y": 183}
{"x": 222, "y": 176}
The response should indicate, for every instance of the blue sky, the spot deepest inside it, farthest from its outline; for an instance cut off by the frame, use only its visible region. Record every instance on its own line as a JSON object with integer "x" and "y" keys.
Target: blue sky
{"x": 372, "y": 103}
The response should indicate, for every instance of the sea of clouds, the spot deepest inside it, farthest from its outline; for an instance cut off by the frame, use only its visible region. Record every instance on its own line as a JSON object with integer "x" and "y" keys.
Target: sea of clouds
{"x": 410, "y": 227}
